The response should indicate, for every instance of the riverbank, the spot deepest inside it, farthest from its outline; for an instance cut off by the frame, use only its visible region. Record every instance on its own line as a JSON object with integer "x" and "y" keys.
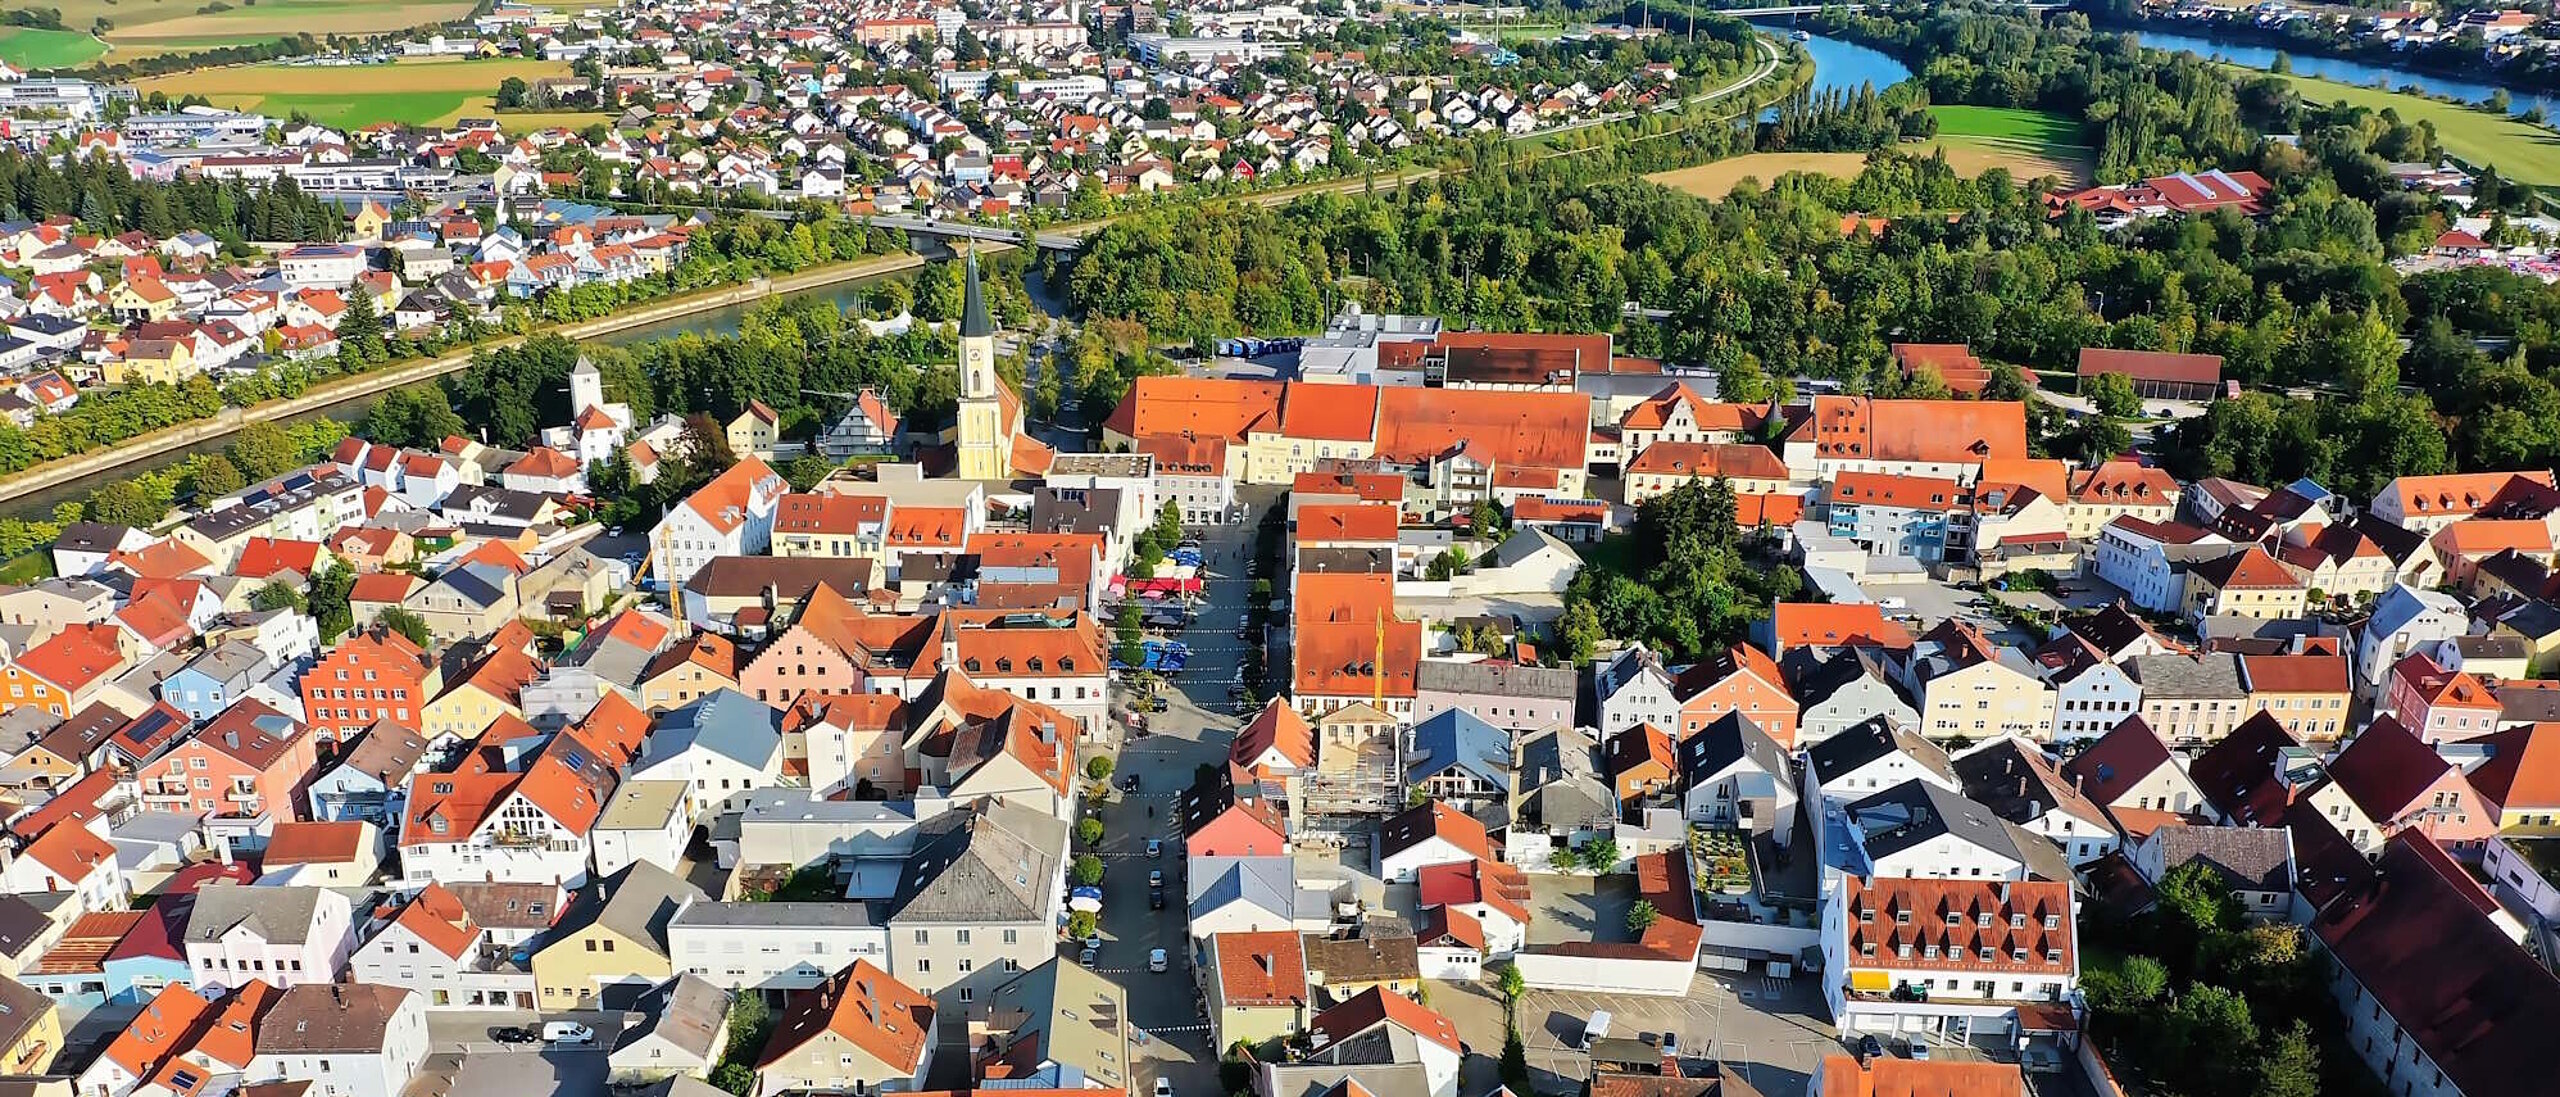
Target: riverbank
{"x": 2207, "y": 39}
{"x": 346, "y": 389}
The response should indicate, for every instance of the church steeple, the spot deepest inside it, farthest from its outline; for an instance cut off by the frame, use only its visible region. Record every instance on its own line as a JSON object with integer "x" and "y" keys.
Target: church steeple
{"x": 973, "y": 303}
{"x": 977, "y": 337}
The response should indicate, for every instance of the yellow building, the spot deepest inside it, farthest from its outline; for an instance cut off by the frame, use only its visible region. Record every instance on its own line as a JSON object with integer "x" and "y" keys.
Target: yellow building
{"x": 619, "y": 939}
{"x": 30, "y": 1029}
{"x": 143, "y": 299}
{"x": 1257, "y": 986}
{"x": 151, "y": 361}
{"x": 368, "y": 222}
{"x": 2248, "y": 583}
{"x": 989, "y": 440}
{"x": 755, "y": 431}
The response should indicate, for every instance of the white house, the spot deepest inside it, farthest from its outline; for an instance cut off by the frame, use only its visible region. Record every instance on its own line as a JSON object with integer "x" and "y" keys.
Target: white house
{"x": 773, "y": 947}
{"x": 431, "y": 945}
{"x": 2404, "y": 619}
{"x": 344, "y": 1039}
{"x": 730, "y": 516}
{"x": 1433, "y": 834}
{"x": 645, "y": 821}
{"x": 1634, "y": 688}
{"x": 1873, "y": 756}
{"x": 1919, "y": 830}
{"x": 1978, "y": 948}
{"x": 1733, "y": 774}
{"x": 286, "y": 936}
{"x": 721, "y": 747}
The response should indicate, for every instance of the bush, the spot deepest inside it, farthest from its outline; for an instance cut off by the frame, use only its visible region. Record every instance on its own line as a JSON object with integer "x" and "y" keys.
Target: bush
{"x": 1098, "y": 767}
{"x": 1089, "y": 831}
{"x": 1088, "y": 869}
{"x": 1083, "y": 924}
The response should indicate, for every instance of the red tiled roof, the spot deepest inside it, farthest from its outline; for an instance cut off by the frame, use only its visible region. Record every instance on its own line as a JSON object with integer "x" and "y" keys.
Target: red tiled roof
{"x": 1261, "y": 969}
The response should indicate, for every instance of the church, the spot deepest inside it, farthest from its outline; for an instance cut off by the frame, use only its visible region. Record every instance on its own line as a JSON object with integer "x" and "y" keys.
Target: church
{"x": 989, "y": 440}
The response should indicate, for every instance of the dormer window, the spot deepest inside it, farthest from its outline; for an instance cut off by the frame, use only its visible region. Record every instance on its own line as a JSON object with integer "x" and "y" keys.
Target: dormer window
{"x": 1867, "y": 915}
{"x": 2053, "y": 956}
{"x": 2053, "y": 921}
{"x": 1867, "y": 949}
{"x": 1930, "y": 953}
{"x": 2018, "y": 954}
{"x": 1902, "y": 917}
{"x": 1982, "y": 920}
{"x": 1955, "y": 917}
{"x": 2017, "y": 920}
{"x": 1989, "y": 954}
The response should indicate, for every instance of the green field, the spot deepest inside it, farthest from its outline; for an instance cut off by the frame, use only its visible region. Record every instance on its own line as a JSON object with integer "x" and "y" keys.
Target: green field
{"x": 410, "y": 92}
{"x": 2522, "y": 152}
{"x": 141, "y": 28}
{"x": 2006, "y": 123}
{"x": 30, "y": 48}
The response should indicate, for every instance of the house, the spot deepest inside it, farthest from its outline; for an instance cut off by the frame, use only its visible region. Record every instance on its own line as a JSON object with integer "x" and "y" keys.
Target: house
{"x": 1639, "y": 762}
{"x": 30, "y": 1029}
{"x": 2131, "y": 769}
{"x": 1256, "y": 986}
{"x": 1826, "y": 628}
{"x": 1558, "y": 794}
{"x": 1457, "y": 758}
{"x": 980, "y": 896}
{"x": 69, "y": 857}
{"x": 210, "y": 682}
{"x": 732, "y": 515}
{"x": 1633, "y": 688}
{"x": 1968, "y": 686}
{"x": 157, "y": 1035}
{"x": 282, "y": 936}
{"x": 1434, "y": 833}
{"x": 1740, "y": 679}
{"x": 2440, "y": 705}
{"x": 430, "y": 944}
{"x": 615, "y": 933}
{"x": 2191, "y": 698}
{"x": 1513, "y": 696}
{"x": 2452, "y": 1017}
{"x": 2521, "y": 777}
{"x": 1917, "y": 829}
{"x": 755, "y": 430}
{"x": 2404, "y": 619}
{"x": 685, "y": 1031}
{"x": 2091, "y": 693}
{"x": 2401, "y": 783}
{"x": 1893, "y": 1076}
{"x": 1904, "y": 956}
{"x": 1733, "y": 774}
{"x": 1241, "y": 895}
{"x": 251, "y": 761}
{"x": 1875, "y": 755}
{"x": 1493, "y": 896}
{"x": 2020, "y": 784}
{"x": 861, "y": 1029}
{"x": 1844, "y": 691}
{"x": 1379, "y": 1027}
{"x": 724, "y": 741}
{"x": 2256, "y": 863}
{"x": 341, "y": 1040}
{"x": 2425, "y": 504}
{"x": 366, "y": 780}
{"x": 2308, "y": 693}
{"x": 342, "y": 855}
{"x": 1053, "y": 1026}
{"x": 1344, "y": 963}
{"x": 645, "y": 821}
{"x": 517, "y": 807}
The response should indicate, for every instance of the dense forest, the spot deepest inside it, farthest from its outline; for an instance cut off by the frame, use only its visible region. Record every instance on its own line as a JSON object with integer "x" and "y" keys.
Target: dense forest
{"x": 108, "y": 199}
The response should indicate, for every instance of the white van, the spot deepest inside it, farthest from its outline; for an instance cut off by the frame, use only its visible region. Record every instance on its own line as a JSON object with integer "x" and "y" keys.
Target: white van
{"x": 1597, "y": 1029}
{"x": 567, "y": 1032}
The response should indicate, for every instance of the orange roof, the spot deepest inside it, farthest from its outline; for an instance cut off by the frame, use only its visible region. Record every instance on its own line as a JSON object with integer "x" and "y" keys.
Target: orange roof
{"x": 1656, "y": 411}
{"x": 1947, "y": 915}
{"x": 1342, "y": 659}
{"x": 1261, "y": 969}
{"x": 71, "y": 852}
{"x": 75, "y": 658}
{"x": 1277, "y": 727}
{"x": 1707, "y": 460}
{"x": 545, "y": 461}
{"x": 1375, "y": 1005}
{"x": 1368, "y": 487}
{"x": 828, "y": 513}
{"x": 2523, "y": 770}
{"x": 1878, "y": 489}
{"x": 159, "y": 1032}
{"x": 438, "y": 918}
{"x": 1355, "y": 522}
{"x": 1176, "y": 405}
{"x": 1544, "y": 429}
{"x": 2455, "y": 492}
{"x": 495, "y": 552}
{"x": 1335, "y": 597}
{"x": 1827, "y": 624}
{"x": 1888, "y": 1076}
{"x": 1492, "y": 883}
{"x": 2124, "y": 483}
{"x": 265, "y": 556}
{"x": 722, "y": 503}
{"x": 2486, "y": 536}
{"x": 2435, "y": 685}
{"x": 1921, "y": 431}
{"x": 887, "y": 1019}
{"x": 928, "y": 527}
{"x": 1434, "y": 820}
{"x": 1334, "y": 412}
{"x": 2248, "y": 569}
{"x": 2295, "y": 673}
{"x": 1774, "y": 509}
{"x": 616, "y": 723}
{"x": 300, "y": 843}
{"x": 382, "y": 587}
{"x": 2050, "y": 478}
{"x": 163, "y": 559}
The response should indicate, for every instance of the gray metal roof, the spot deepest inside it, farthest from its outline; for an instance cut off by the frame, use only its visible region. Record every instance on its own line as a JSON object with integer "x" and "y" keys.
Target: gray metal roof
{"x": 778, "y": 915}
{"x": 278, "y": 915}
{"x": 687, "y": 1011}
{"x": 727, "y": 723}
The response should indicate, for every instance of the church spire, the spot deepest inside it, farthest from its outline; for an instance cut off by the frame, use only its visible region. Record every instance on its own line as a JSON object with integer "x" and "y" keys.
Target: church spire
{"x": 973, "y": 305}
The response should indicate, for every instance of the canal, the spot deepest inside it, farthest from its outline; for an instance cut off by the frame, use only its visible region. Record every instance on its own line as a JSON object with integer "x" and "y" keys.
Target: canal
{"x": 2343, "y": 70}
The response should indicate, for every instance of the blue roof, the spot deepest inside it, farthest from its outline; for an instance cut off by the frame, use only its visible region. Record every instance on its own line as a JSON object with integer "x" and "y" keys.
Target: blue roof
{"x": 1459, "y": 738}
{"x": 727, "y": 723}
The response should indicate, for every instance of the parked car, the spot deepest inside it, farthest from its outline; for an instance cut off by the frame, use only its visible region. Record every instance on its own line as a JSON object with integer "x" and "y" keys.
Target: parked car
{"x": 1869, "y": 1047}
{"x": 1155, "y": 877}
{"x": 568, "y": 1033}
{"x": 1093, "y": 942}
{"x": 1155, "y": 898}
{"x": 1085, "y": 957}
{"x": 1155, "y": 959}
{"x": 1155, "y": 849}
{"x": 511, "y": 1034}
{"x": 1920, "y": 1048}
{"x": 1164, "y": 1086}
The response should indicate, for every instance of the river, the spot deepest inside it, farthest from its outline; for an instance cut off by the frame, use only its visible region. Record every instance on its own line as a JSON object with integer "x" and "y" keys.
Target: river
{"x": 2340, "y": 69}
{"x": 719, "y": 321}
{"x": 1840, "y": 66}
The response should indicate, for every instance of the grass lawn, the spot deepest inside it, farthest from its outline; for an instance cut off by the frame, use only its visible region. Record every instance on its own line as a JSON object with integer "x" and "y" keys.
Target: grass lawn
{"x": 410, "y": 92}
{"x": 2522, "y": 152}
{"x": 146, "y": 27}
{"x": 28, "y": 568}
{"x": 30, "y": 48}
{"x": 2006, "y": 123}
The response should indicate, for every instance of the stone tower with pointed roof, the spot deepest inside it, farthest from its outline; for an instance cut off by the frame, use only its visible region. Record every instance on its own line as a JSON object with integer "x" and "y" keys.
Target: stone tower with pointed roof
{"x": 990, "y": 415}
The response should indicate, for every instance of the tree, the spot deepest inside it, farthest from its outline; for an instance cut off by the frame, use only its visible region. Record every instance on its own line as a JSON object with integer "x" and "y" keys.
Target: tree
{"x": 126, "y": 503}
{"x": 277, "y": 594}
{"x": 2288, "y": 1064}
{"x": 1088, "y": 869}
{"x": 216, "y": 476}
{"x": 1168, "y": 528}
{"x": 1599, "y": 855}
{"x": 1083, "y": 924}
{"x": 2007, "y": 382}
{"x": 263, "y": 449}
{"x": 360, "y": 327}
{"x": 1515, "y": 1062}
{"x": 706, "y": 447}
{"x": 406, "y": 622}
{"x": 737, "y": 1078}
{"x": 1448, "y": 565}
{"x": 1641, "y": 916}
{"x": 511, "y": 92}
{"x": 1089, "y": 831}
{"x": 1580, "y": 632}
{"x": 806, "y": 470}
{"x": 2111, "y": 394}
{"x": 1098, "y": 767}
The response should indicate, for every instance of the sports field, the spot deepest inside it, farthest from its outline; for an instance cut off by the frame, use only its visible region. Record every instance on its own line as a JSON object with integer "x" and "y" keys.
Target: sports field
{"x": 2521, "y": 151}
{"x": 1969, "y": 156}
{"x": 30, "y": 48}
{"x": 142, "y": 28}
{"x": 427, "y": 92}
{"x": 2006, "y": 123}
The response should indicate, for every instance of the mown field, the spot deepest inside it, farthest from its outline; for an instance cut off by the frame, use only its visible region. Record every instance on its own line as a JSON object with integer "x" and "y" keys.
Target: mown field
{"x": 31, "y": 48}
{"x": 142, "y": 28}
{"x": 420, "y": 93}
{"x": 2521, "y": 151}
